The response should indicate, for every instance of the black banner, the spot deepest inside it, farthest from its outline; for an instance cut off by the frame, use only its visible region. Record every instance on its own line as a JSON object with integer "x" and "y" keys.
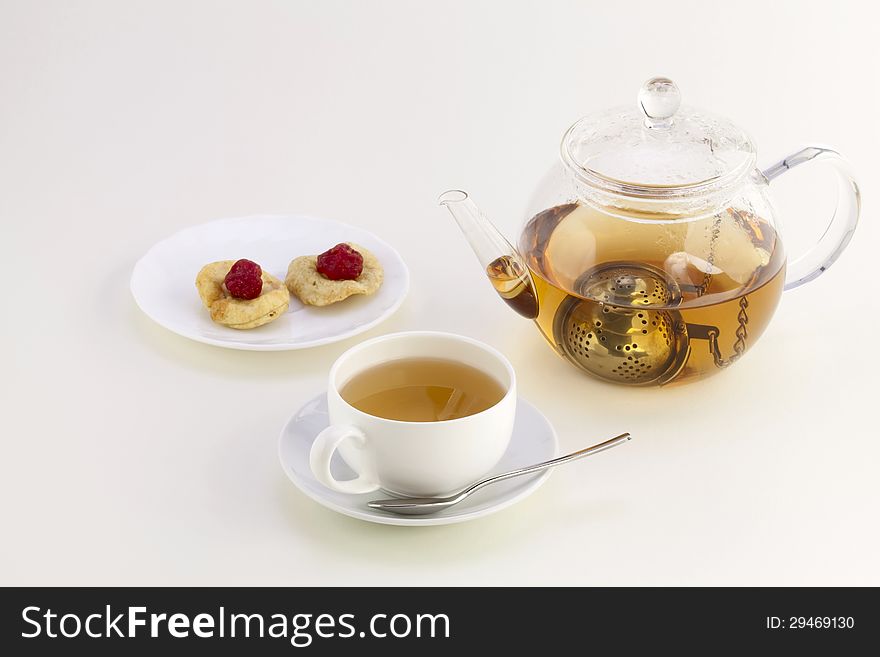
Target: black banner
{"x": 332, "y": 621}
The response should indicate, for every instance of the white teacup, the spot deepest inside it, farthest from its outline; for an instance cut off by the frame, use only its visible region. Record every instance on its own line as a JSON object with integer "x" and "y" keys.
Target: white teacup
{"x": 414, "y": 458}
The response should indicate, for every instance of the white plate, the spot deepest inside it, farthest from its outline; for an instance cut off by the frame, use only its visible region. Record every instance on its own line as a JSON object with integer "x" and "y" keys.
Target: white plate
{"x": 163, "y": 281}
{"x": 533, "y": 441}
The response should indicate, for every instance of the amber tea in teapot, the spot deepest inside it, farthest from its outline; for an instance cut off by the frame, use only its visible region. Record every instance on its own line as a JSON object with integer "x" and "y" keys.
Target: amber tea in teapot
{"x": 636, "y": 319}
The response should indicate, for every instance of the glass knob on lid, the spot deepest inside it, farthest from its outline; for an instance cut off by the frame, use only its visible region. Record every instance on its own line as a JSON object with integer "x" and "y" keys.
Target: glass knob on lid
{"x": 656, "y": 147}
{"x": 659, "y": 99}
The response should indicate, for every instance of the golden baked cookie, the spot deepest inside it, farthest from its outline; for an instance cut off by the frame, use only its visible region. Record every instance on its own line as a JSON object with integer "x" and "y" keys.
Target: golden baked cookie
{"x": 240, "y": 313}
{"x": 309, "y": 286}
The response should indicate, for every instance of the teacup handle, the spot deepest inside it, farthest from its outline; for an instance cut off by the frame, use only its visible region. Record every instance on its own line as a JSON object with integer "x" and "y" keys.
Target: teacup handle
{"x": 322, "y": 451}
{"x": 843, "y": 222}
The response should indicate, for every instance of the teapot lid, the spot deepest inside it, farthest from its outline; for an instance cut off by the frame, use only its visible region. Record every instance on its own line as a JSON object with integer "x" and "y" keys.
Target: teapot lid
{"x": 658, "y": 147}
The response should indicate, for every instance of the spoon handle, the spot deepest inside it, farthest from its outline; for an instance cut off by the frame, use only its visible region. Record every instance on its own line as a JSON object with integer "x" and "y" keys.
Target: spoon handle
{"x": 574, "y": 456}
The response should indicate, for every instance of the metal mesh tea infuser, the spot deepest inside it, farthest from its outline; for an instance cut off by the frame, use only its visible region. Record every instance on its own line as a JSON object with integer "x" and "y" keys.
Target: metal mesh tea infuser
{"x": 624, "y": 328}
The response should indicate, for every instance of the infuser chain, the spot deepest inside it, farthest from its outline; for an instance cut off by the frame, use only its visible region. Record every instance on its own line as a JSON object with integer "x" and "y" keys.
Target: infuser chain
{"x": 742, "y": 334}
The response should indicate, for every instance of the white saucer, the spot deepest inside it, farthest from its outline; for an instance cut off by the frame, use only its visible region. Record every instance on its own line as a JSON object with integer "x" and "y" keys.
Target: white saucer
{"x": 533, "y": 441}
{"x": 163, "y": 281}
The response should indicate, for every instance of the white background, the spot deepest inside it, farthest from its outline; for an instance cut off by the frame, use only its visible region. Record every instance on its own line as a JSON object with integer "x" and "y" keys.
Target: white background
{"x": 133, "y": 456}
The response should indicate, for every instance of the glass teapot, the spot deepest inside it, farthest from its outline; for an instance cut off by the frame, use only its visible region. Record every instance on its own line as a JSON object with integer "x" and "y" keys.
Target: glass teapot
{"x": 651, "y": 252}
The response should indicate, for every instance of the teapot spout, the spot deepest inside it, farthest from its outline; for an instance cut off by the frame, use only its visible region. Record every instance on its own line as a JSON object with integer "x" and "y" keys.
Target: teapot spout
{"x": 502, "y": 263}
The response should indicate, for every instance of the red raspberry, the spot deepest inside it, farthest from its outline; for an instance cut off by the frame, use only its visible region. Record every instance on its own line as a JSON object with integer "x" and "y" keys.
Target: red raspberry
{"x": 245, "y": 266}
{"x": 244, "y": 280}
{"x": 341, "y": 263}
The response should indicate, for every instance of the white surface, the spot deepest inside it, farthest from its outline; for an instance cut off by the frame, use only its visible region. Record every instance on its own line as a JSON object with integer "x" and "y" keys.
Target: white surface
{"x": 134, "y": 456}
{"x": 419, "y": 459}
{"x": 163, "y": 281}
{"x": 533, "y": 441}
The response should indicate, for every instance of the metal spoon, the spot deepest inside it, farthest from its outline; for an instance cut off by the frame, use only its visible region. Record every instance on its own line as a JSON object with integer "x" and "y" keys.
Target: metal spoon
{"x": 417, "y": 506}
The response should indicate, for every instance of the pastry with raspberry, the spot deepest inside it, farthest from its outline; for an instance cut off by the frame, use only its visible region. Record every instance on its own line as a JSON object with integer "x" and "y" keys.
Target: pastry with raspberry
{"x": 338, "y": 273}
{"x": 240, "y": 294}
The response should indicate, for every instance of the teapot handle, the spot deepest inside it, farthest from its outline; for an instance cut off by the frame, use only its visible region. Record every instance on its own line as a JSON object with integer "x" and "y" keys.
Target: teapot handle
{"x": 843, "y": 222}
